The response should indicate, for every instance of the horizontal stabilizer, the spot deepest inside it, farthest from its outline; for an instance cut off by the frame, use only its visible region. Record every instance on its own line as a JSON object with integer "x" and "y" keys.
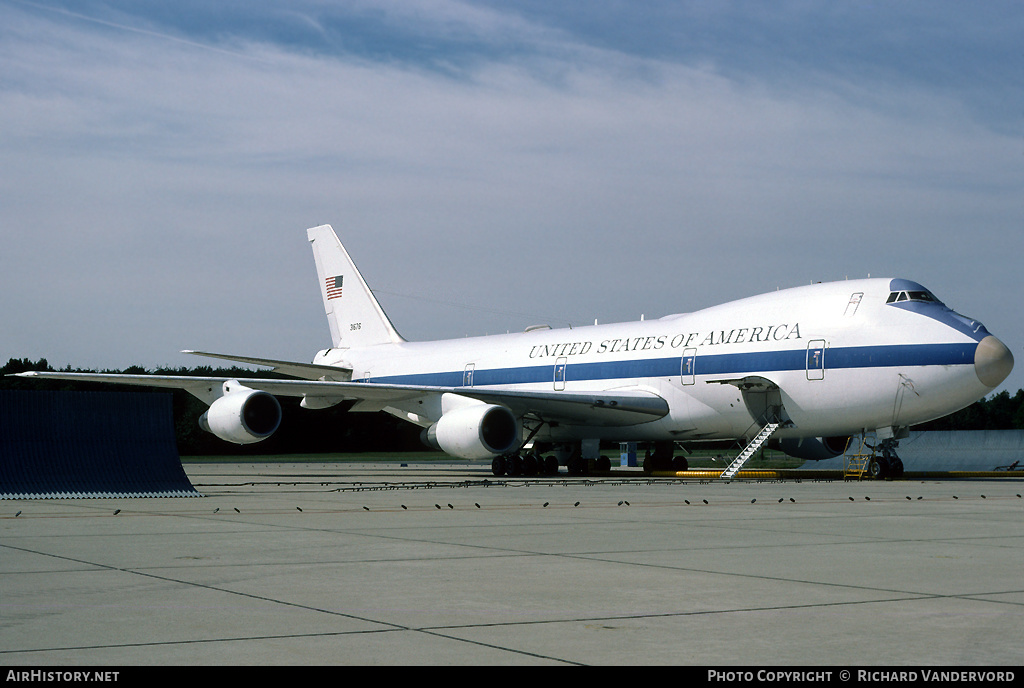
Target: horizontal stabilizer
{"x": 306, "y": 371}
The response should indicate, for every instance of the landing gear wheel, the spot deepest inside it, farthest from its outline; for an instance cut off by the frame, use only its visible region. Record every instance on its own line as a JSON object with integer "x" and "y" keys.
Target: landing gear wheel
{"x": 897, "y": 468}
{"x": 679, "y": 463}
{"x": 892, "y": 466}
{"x": 657, "y": 463}
{"x": 530, "y": 464}
{"x": 878, "y": 468}
{"x": 603, "y": 464}
{"x": 498, "y": 465}
{"x": 551, "y": 466}
{"x": 660, "y": 460}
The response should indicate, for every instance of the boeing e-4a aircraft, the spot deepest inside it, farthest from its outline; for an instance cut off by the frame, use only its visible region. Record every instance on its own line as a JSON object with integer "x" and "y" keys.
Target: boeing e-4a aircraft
{"x": 808, "y": 367}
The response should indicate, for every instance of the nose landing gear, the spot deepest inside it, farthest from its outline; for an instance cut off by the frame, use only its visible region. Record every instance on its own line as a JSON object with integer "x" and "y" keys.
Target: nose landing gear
{"x": 888, "y": 465}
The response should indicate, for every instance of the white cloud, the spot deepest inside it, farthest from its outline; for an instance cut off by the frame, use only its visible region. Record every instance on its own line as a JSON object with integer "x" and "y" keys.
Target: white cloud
{"x": 156, "y": 193}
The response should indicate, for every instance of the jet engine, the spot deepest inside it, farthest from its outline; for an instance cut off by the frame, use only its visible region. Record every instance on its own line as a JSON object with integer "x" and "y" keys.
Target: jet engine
{"x": 814, "y": 448}
{"x": 480, "y": 431}
{"x": 243, "y": 417}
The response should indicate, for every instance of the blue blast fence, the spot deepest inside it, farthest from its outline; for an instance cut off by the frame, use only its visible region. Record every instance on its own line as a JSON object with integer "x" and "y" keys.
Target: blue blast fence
{"x": 78, "y": 444}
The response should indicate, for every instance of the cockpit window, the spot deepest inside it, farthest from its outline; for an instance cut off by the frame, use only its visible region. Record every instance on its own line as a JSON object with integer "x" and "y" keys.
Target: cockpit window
{"x": 899, "y": 296}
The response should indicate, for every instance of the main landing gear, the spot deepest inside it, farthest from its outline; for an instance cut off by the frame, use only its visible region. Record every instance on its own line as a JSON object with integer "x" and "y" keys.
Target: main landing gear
{"x": 577, "y": 465}
{"x": 534, "y": 463}
{"x": 663, "y": 459}
{"x": 526, "y": 464}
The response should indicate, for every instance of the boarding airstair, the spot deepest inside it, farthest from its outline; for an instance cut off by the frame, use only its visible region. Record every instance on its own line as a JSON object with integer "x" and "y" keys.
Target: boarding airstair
{"x": 748, "y": 451}
{"x": 856, "y": 465}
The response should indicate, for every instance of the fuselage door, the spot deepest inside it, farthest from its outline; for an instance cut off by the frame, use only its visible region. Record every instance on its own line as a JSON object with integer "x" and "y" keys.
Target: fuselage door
{"x": 467, "y": 375}
{"x": 905, "y": 383}
{"x": 851, "y": 307}
{"x": 816, "y": 359}
{"x": 688, "y": 366}
{"x": 560, "y": 366}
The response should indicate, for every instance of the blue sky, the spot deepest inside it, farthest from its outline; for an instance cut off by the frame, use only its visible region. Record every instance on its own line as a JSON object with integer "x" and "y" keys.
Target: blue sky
{"x": 493, "y": 165}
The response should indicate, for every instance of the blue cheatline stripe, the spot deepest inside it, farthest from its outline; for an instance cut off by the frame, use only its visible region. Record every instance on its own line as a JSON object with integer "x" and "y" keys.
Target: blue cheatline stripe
{"x": 898, "y": 355}
{"x": 889, "y": 356}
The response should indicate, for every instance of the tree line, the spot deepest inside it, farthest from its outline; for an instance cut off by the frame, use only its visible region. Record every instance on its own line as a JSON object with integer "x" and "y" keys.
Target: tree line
{"x": 335, "y": 430}
{"x": 306, "y": 431}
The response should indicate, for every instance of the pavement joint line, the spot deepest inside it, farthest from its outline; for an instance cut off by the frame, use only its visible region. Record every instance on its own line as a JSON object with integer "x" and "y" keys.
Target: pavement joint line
{"x": 920, "y": 534}
{"x": 507, "y": 552}
{"x": 439, "y": 630}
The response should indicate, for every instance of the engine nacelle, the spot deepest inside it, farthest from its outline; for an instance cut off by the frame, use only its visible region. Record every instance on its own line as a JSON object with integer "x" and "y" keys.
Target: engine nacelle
{"x": 245, "y": 416}
{"x": 480, "y": 431}
{"x": 815, "y": 448}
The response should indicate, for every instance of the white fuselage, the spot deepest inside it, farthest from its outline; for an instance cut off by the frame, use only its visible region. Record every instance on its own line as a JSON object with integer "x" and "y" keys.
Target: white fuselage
{"x": 838, "y": 357}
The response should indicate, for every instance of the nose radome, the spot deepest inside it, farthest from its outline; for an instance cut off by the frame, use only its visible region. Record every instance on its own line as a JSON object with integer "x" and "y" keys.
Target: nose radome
{"x": 992, "y": 361}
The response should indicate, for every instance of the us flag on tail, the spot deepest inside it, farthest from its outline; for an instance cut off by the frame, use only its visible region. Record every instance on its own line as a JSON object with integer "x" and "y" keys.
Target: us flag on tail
{"x": 334, "y": 287}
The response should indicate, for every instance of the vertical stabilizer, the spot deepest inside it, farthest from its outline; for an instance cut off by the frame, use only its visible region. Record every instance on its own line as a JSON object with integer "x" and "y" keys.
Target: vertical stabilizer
{"x": 355, "y": 317}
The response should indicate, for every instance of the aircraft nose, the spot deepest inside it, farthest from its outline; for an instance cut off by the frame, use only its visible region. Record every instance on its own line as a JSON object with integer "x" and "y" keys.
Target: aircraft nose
{"x": 992, "y": 361}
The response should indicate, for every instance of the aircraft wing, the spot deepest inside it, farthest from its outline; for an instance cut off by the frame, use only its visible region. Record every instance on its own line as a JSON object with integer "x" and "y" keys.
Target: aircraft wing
{"x": 613, "y": 408}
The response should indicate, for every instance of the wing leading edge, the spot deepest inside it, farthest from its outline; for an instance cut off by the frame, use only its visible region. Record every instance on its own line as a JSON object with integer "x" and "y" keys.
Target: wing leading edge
{"x": 617, "y": 408}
